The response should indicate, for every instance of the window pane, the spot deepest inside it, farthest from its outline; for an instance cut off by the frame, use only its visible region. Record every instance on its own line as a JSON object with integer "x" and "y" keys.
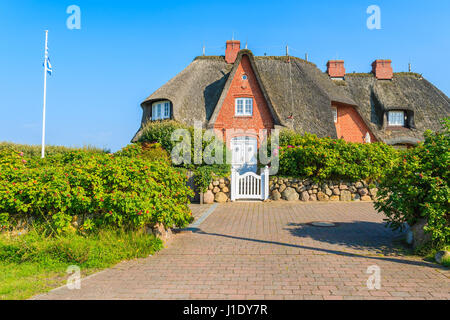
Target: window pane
{"x": 158, "y": 107}
{"x": 239, "y": 106}
{"x": 334, "y": 114}
{"x": 166, "y": 110}
{"x": 396, "y": 118}
{"x": 248, "y": 106}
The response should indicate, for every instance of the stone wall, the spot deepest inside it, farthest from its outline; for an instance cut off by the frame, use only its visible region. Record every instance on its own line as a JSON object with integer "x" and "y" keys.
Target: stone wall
{"x": 218, "y": 191}
{"x": 305, "y": 190}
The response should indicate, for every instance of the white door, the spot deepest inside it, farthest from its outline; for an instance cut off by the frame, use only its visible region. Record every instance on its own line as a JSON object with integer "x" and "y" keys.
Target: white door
{"x": 244, "y": 150}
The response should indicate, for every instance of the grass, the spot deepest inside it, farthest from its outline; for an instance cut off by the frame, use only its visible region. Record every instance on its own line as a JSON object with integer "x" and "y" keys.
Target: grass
{"x": 34, "y": 263}
{"x": 35, "y": 150}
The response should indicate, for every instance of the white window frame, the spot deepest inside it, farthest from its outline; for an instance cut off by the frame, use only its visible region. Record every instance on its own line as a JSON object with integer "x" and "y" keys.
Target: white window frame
{"x": 161, "y": 110}
{"x": 247, "y": 107}
{"x": 396, "y": 118}
{"x": 335, "y": 114}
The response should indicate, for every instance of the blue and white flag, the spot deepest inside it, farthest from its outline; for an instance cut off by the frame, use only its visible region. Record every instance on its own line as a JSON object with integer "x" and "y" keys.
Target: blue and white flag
{"x": 49, "y": 67}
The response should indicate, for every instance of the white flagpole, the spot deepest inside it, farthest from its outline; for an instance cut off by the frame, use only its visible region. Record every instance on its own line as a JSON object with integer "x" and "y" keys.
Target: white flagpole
{"x": 45, "y": 95}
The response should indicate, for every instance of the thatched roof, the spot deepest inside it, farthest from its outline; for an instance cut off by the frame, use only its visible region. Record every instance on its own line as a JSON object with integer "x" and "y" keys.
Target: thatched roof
{"x": 299, "y": 96}
{"x": 406, "y": 91}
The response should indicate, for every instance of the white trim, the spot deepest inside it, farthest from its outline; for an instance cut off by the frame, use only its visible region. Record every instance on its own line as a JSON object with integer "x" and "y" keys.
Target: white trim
{"x": 243, "y": 103}
{"x": 161, "y": 110}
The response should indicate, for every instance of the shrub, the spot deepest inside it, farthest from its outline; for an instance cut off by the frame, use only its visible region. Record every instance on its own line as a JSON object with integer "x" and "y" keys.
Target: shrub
{"x": 148, "y": 151}
{"x": 103, "y": 189}
{"x": 307, "y": 156}
{"x": 417, "y": 186}
{"x": 204, "y": 175}
{"x": 161, "y": 132}
{"x": 35, "y": 150}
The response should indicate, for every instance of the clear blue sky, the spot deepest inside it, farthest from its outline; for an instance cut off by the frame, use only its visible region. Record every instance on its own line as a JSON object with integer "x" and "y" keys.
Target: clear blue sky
{"x": 127, "y": 49}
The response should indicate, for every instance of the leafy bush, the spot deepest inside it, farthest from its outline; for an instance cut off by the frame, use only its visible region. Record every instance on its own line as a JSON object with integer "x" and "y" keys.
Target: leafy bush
{"x": 204, "y": 175}
{"x": 307, "y": 156}
{"x": 148, "y": 151}
{"x": 35, "y": 150}
{"x": 417, "y": 186}
{"x": 103, "y": 189}
{"x": 160, "y": 132}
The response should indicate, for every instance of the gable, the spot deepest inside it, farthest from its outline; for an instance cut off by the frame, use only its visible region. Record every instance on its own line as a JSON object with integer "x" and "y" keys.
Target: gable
{"x": 243, "y": 83}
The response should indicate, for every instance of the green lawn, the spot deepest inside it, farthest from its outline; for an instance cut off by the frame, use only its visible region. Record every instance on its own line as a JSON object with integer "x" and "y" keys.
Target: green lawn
{"x": 31, "y": 264}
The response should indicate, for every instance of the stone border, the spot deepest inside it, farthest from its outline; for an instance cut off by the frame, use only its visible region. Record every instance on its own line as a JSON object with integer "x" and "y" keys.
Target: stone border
{"x": 292, "y": 189}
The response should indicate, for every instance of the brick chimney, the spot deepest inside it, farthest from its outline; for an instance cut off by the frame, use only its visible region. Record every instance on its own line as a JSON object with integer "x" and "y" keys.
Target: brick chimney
{"x": 335, "y": 69}
{"x": 233, "y": 47}
{"x": 382, "y": 69}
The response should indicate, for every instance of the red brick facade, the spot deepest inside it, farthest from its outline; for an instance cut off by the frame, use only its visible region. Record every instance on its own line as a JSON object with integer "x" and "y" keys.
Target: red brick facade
{"x": 349, "y": 125}
{"x": 240, "y": 88}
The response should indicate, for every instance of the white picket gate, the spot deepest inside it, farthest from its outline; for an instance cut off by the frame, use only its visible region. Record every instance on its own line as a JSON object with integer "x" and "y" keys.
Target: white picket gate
{"x": 250, "y": 185}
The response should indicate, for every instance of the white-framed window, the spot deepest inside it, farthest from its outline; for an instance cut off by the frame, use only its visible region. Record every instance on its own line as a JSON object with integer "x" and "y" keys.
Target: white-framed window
{"x": 161, "y": 110}
{"x": 334, "y": 111}
{"x": 244, "y": 106}
{"x": 396, "y": 118}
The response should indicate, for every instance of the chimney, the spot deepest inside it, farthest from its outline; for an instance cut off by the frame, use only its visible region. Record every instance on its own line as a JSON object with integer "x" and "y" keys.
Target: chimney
{"x": 233, "y": 47}
{"x": 382, "y": 69}
{"x": 335, "y": 69}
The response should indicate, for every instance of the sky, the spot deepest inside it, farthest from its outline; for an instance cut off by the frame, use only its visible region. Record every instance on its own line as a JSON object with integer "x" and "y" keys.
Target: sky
{"x": 125, "y": 50}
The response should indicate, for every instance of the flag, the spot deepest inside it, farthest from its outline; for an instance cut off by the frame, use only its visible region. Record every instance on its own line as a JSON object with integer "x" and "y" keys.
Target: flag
{"x": 49, "y": 67}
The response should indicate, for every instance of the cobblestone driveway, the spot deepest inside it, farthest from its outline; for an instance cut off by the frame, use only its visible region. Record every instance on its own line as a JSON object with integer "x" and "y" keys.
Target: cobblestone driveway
{"x": 268, "y": 251}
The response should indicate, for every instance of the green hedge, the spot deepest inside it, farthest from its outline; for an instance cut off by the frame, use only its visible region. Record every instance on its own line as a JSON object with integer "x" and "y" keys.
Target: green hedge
{"x": 35, "y": 150}
{"x": 307, "y": 156}
{"x": 161, "y": 131}
{"x": 106, "y": 189}
{"x": 418, "y": 186}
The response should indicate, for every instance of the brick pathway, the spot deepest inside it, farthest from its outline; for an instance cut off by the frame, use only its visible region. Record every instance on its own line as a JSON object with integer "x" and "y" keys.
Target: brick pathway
{"x": 268, "y": 251}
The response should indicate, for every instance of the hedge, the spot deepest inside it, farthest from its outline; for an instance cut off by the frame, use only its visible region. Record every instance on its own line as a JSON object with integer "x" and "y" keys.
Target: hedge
{"x": 104, "y": 189}
{"x": 35, "y": 150}
{"x": 320, "y": 159}
{"x": 418, "y": 187}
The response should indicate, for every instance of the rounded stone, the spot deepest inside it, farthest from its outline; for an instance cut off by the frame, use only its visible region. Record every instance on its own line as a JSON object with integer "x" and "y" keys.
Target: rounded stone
{"x": 208, "y": 197}
{"x": 220, "y": 197}
{"x": 290, "y": 194}
{"x": 276, "y": 195}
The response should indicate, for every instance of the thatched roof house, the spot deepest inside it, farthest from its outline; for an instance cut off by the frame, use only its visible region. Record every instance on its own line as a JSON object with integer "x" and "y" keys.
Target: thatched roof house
{"x": 241, "y": 91}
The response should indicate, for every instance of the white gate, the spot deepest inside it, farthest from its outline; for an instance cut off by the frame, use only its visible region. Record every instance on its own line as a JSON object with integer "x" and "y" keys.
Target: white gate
{"x": 249, "y": 185}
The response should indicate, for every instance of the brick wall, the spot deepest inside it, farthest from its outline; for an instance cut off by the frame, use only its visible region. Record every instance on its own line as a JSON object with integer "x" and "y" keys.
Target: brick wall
{"x": 239, "y": 88}
{"x": 350, "y": 125}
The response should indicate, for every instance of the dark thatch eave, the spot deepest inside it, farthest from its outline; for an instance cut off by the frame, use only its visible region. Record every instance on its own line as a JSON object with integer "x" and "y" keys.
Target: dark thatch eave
{"x": 409, "y": 92}
{"x": 224, "y": 92}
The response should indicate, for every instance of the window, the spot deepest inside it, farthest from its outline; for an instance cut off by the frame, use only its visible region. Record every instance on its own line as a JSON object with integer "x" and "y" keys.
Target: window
{"x": 334, "y": 110}
{"x": 396, "y": 118}
{"x": 244, "y": 106}
{"x": 161, "y": 110}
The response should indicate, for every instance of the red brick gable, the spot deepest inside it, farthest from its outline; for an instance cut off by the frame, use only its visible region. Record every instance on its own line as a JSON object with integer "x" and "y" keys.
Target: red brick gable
{"x": 241, "y": 88}
{"x": 350, "y": 126}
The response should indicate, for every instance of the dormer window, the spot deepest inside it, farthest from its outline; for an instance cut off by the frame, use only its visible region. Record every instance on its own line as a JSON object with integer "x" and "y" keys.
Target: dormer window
{"x": 396, "y": 118}
{"x": 244, "y": 107}
{"x": 161, "y": 110}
